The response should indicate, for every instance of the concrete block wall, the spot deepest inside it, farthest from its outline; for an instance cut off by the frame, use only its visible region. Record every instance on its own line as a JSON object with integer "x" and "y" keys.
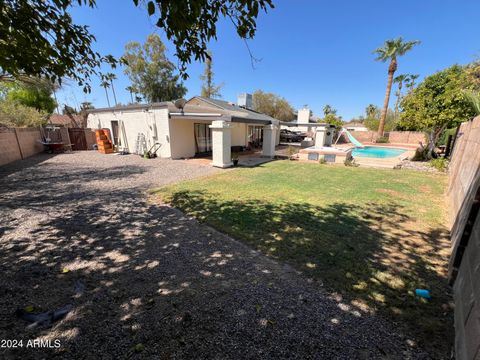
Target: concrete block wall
{"x": 19, "y": 143}
{"x": 9, "y": 150}
{"x": 406, "y": 137}
{"x": 395, "y": 137}
{"x": 463, "y": 196}
{"x": 29, "y": 140}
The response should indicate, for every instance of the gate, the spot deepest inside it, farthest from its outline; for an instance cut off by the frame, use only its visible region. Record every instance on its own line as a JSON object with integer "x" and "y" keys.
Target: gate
{"x": 77, "y": 138}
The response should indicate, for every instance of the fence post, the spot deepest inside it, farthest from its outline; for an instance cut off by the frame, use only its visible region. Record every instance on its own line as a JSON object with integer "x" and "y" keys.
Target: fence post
{"x": 18, "y": 142}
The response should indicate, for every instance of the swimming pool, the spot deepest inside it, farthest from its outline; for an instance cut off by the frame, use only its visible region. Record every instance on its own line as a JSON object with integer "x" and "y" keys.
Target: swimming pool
{"x": 377, "y": 152}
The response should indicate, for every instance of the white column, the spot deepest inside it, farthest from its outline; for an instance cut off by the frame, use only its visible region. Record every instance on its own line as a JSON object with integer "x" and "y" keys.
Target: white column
{"x": 269, "y": 137}
{"x": 320, "y": 136}
{"x": 221, "y": 144}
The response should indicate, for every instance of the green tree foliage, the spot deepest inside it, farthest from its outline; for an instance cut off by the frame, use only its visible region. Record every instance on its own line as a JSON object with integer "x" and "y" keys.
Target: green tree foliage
{"x": 39, "y": 38}
{"x": 333, "y": 119}
{"x": 37, "y": 95}
{"x": 437, "y": 103}
{"x": 14, "y": 114}
{"x": 372, "y": 121}
{"x": 150, "y": 71}
{"x": 390, "y": 51}
{"x": 330, "y": 116}
{"x": 209, "y": 89}
{"x": 191, "y": 24}
{"x": 64, "y": 49}
{"x": 273, "y": 105}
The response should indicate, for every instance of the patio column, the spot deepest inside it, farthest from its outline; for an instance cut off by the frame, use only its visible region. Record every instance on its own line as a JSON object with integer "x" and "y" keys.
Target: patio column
{"x": 221, "y": 144}
{"x": 320, "y": 136}
{"x": 269, "y": 137}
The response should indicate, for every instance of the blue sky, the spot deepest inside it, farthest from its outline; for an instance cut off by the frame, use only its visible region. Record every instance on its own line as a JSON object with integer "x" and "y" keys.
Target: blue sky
{"x": 313, "y": 52}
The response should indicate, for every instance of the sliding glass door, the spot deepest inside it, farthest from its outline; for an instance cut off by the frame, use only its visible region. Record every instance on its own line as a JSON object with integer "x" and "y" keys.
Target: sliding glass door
{"x": 203, "y": 138}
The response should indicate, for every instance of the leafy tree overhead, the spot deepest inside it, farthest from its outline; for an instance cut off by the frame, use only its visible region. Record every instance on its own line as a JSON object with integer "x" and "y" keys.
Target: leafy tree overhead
{"x": 273, "y": 105}
{"x": 390, "y": 51}
{"x": 191, "y": 24}
{"x": 437, "y": 103}
{"x": 209, "y": 89}
{"x": 64, "y": 49}
{"x": 150, "y": 71}
{"x": 61, "y": 47}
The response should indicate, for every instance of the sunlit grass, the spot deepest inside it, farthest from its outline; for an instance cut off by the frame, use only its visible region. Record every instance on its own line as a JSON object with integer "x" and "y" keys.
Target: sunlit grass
{"x": 371, "y": 235}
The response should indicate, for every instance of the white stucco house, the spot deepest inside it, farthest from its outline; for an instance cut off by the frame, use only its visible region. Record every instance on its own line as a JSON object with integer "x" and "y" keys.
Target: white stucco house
{"x": 202, "y": 127}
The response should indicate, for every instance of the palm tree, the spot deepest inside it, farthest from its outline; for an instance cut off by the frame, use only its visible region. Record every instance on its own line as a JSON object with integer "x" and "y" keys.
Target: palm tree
{"x": 390, "y": 51}
{"x": 400, "y": 79}
{"x": 410, "y": 82}
{"x": 105, "y": 84}
{"x": 131, "y": 90}
{"x": 110, "y": 77}
{"x": 370, "y": 110}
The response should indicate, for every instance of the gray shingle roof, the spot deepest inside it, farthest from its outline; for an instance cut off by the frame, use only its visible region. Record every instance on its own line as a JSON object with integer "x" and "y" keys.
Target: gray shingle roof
{"x": 236, "y": 110}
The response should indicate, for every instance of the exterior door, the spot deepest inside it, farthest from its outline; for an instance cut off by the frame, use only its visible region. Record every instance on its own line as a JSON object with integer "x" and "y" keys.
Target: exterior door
{"x": 203, "y": 138}
{"x": 77, "y": 138}
{"x": 115, "y": 131}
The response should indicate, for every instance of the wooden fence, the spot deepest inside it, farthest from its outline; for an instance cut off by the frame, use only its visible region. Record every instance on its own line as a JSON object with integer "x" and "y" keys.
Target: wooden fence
{"x": 463, "y": 196}
{"x": 21, "y": 143}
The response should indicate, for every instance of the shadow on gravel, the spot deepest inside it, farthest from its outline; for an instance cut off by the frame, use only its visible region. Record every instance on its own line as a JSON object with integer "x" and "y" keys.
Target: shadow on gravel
{"x": 373, "y": 255}
{"x": 156, "y": 284}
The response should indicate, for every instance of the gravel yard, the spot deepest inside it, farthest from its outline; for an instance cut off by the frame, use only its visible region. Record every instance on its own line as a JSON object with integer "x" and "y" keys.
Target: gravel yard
{"x": 145, "y": 281}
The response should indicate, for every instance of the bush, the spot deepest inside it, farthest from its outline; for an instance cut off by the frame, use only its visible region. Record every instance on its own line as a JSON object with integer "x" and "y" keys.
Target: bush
{"x": 440, "y": 164}
{"x": 350, "y": 162}
{"x": 421, "y": 154}
{"x": 13, "y": 114}
{"x": 444, "y": 137}
{"x": 382, "y": 140}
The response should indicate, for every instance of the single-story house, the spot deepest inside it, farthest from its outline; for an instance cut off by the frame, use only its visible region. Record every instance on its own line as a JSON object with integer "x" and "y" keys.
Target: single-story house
{"x": 197, "y": 127}
{"x": 70, "y": 121}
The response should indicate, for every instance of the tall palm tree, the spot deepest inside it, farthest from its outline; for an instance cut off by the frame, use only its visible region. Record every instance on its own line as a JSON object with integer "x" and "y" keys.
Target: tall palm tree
{"x": 400, "y": 79}
{"x": 110, "y": 77}
{"x": 390, "y": 51}
{"x": 410, "y": 82}
{"x": 131, "y": 90}
{"x": 105, "y": 84}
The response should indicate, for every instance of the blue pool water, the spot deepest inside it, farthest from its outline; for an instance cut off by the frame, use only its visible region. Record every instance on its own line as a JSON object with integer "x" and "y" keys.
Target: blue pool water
{"x": 377, "y": 152}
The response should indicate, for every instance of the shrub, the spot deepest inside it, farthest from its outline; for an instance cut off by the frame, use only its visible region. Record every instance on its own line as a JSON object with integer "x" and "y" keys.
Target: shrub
{"x": 421, "y": 154}
{"x": 291, "y": 151}
{"x": 382, "y": 140}
{"x": 440, "y": 164}
{"x": 350, "y": 162}
{"x": 13, "y": 114}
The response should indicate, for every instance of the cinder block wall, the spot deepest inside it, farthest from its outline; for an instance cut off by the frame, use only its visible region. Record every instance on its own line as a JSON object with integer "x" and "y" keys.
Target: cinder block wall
{"x": 463, "y": 196}
{"x": 395, "y": 137}
{"x": 29, "y": 140}
{"x": 9, "y": 150}
{"x": 19, "y": 143}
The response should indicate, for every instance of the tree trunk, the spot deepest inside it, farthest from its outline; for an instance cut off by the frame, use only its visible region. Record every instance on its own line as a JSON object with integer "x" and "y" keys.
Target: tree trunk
{"x": 383, "y": 116}
{"x": 106, "y": 93}
{"x": 397, "y": 103}
{"x": 114, "y": 95}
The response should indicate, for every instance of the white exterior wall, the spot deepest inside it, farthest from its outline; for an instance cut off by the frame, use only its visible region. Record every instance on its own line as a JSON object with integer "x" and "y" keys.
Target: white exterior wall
{"x": 239, "y": 134}
{"x": 153, "y": 124}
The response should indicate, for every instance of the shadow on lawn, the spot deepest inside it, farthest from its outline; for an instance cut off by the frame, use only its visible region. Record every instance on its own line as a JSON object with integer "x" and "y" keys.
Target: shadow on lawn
{"x": 373, "y": 255}
{"x": 158, "y": 283}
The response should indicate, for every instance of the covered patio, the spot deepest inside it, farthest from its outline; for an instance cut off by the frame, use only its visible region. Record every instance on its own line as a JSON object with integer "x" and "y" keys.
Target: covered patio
{"x": 216, "y": 134}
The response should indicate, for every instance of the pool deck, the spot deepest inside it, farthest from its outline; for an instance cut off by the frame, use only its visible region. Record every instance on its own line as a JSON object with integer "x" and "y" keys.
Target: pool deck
{"x": 389, "y": 163}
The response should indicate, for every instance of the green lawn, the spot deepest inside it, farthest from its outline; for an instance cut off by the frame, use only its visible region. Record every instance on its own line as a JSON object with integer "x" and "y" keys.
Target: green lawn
{"x": 371, "y": 235}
